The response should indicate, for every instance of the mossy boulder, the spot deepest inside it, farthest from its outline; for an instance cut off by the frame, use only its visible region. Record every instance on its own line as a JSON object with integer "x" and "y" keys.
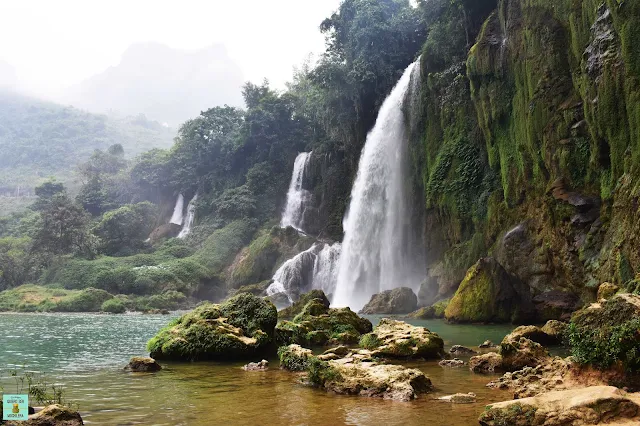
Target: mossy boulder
{"x": 400, "y": 300}
{"x": 351, "y": 376}
{"x": 606, "y": 334}
{"x": 294, "y": 357}
{"x": 242, "y": 327}
{"x": 489, "y": 294}
{"x": 606, "y": 290}
{"x": 143, "y": 364}
{"x": 298, "y": 306}
{"x": 434, "y": 311}
{"x": 518, "y": 352}
{"x": 397, "y": 339}
{"x": 258, "y": 289}
{"x": 317, "y": 325}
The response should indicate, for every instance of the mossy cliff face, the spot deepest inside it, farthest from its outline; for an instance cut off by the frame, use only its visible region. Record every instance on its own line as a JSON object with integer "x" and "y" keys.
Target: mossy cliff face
{"x": 539, "y": 129}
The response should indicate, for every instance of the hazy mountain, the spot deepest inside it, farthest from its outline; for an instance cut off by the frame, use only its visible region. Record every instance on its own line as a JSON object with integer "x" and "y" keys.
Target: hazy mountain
{"x": 8, "y": 76}
{"x": 40, "y": 139}
{"x": 168, "y": 85}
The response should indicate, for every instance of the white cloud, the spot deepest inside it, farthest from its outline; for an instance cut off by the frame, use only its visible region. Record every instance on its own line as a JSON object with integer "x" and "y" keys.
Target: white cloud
{"x": 54, "y": 44}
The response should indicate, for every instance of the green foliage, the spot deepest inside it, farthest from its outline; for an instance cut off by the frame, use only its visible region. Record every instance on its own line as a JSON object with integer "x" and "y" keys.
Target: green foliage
{"x": 320, "y": 372}
{"x": 87, "y": 300}
{"x": 114, "y": 306}
{"x": 370, "y": 341}
{"x": 292, "y": 360}
{"x": 124, "y": 230}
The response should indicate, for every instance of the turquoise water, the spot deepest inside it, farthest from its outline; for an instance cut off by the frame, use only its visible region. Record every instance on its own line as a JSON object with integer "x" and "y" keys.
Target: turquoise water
{"x": 86, "y": 353}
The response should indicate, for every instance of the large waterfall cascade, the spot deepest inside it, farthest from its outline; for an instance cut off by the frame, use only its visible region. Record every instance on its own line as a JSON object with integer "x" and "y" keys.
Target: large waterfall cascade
{"x": 379, "y": 251}
{"x": 177, "y": 216}
{"x": 297, "y": 197}
{"x": 191, "y": 215}
{"x": 315, "y": 268}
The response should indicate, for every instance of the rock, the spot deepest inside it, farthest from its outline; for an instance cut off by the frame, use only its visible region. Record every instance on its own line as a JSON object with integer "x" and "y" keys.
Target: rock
{"x": 353, "y": 377}
{"x": 451, "y": 363}
{"x": 294, "y": 357}
{"x": 531, "y": 332}
{"x": 606, "y": 290}
{"x": 258, "y": 289}
{"x": 428, "y": 292}
{"x": 555, "y": 304}
{"x": 486, "y": 363}
{"x": 241, "y": 327}
{"x": 143, "y": 364}
{"x": 297, "y": 307}
{"x": 551, "y": 375}
{"x": 525, "y": 259}
{"x": 400, "y": 300}
{"x": 460, "y": 398}
{"x": 555, "y": 330}
{"x": 423, "y": 313}
{"x": 167, "y": 230}
{"x": 397, "y": 339}
{"x": 489, "y": 294}
{"x": 51, "y": 415}
{"x": 257, "y": 366}
{"x": 591, "y": 330}
{"x": 340, "y": 350}
{"x": 461, "y": 350}
{"x": 317, "y": 325}
{"x": 518, "y": 352}
{"x": 487, "y": 344}
{"x": 584, "y": 406}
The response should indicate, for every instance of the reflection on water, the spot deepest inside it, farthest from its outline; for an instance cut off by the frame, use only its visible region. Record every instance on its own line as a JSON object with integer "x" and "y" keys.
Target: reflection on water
{"x": 86, "y": 352}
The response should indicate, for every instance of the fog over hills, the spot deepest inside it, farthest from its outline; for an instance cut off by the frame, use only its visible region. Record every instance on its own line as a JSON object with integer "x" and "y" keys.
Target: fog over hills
{"x": 165, "y": 84}
{"x": 8, "y": 76}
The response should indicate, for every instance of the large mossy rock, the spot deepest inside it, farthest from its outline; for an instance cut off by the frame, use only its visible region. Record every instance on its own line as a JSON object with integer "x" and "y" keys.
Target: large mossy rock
{"x": 397, "y": 339}
{"x": 489, "y": 294}
{"x": 143, "y": 364}
{"x": 242, "y": 327}
{"x": 400, "y": 300}
{"x": 606, "y": 334}
{"x": 298, "y": 306}
{"x": 317, "y": 324}
{"x": 584, "y": 406}
{"x": 353, "y": 377}
{"x": 294, "y": 357}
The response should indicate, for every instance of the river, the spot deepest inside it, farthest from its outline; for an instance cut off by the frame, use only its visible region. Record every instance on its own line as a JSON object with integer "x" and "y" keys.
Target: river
{"x": 86, "y": 353}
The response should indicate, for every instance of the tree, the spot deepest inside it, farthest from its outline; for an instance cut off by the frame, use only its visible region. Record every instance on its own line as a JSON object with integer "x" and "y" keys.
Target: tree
{"x": 124, "y": 230}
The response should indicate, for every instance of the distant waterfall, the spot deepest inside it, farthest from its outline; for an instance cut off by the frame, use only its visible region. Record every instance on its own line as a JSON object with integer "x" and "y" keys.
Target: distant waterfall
{"x": 378, "y": 251}
{"x": 297, "y": 197}
{"x": 177, "y": 217}
{"x": 191, "y": 215}
{"x": 315, "y": 268}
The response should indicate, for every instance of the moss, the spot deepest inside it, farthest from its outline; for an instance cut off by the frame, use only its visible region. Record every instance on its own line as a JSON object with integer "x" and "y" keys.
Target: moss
{"x": 294, "y": 358}
{"x": 321, "y": 372}
{"x": 475, "y": 298}
{"x": 370, "y": 341}
{"x": 297, "y": 307}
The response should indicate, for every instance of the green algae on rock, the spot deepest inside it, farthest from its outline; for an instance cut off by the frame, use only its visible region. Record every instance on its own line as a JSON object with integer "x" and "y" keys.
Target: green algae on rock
{"x": 298, "y": 306}
{"x": 397, "y": 339}
{"x": 241, "y": 327}
{"x": 294, "y": 357}
{"x": 489, "y": 294}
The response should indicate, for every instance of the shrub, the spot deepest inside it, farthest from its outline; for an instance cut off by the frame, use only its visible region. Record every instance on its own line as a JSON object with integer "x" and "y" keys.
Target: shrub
{"x": 87, "y": 300}
{"x": 114, "y": 306}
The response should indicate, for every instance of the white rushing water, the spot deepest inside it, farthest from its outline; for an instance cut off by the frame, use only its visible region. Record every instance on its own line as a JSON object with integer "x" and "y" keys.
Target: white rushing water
{"x": 378, "y": 250}
{"x": 177, "y": 216}
{"x": 191, "y": 215}
{"x": 315, "y": 268}
{"x": 297, "y": 197}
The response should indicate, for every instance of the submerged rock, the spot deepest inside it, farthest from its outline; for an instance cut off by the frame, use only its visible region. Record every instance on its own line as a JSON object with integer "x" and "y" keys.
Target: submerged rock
{"x": 486, "y": 363}
{"x": 354, "y": 377}
{"x": 256, "y": 366}
{"x": 143, "y": 364}
{"x": 489, "y": 294}
{"x": 294, "y": 357}
{"x": 316, "y": 324}
{"x": 459, "y": 398}
{"x": 461, "y": 350}
{"x": 400, "y": 300}
{"x": 397, "y": 339}
{"x": 452, "y": 363}
{"x": 583, "y": 406}
{"x": 241, "y": 327}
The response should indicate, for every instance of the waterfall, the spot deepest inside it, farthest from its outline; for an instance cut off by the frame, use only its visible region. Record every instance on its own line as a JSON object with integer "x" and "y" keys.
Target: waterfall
{"x": 315, "y": 268}
{"x": 177, "y": 211}
{"x": 325, "y": 270}
{"x": 379, "y": 250}
{"x": 191, "y": 215}
{"x": 297, "y": 197}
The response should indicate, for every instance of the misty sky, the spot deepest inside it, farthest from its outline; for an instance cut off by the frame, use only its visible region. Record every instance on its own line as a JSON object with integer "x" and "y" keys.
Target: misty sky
{"x": 54, "y": 44}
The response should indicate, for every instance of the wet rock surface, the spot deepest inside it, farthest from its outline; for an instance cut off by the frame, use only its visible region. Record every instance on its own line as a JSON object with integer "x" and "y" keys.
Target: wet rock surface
{"x": 397, "y": 339}
{"x": 397, "y": 301}
{"x": 142, "y": 364}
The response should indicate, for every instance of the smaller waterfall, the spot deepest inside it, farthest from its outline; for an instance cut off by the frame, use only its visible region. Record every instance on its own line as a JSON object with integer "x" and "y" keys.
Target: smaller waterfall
{"x": 191, "y": 215}
{"x": 297, "y": 197}
{"x": 315, "y": 268}
{"x": 177, "y": 217}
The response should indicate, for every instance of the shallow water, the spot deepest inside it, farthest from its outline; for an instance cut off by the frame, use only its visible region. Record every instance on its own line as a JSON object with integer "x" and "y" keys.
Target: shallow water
{"x": 86, "y": 352}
